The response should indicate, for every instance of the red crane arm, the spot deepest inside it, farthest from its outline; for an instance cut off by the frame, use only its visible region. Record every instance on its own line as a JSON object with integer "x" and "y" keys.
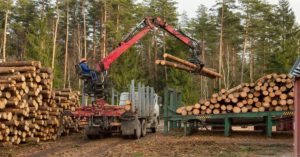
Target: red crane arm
{"x": 115, "y": 54}
{"x": 141, "y": 30}
{"x": 172, "y": 31}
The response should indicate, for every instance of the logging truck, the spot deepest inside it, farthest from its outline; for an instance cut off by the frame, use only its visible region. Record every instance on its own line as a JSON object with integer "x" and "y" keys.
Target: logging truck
{"x": 137, "y": 113}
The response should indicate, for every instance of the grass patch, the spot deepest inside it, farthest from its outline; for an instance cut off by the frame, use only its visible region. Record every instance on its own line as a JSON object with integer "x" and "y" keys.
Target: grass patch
{"x": 246, "y": 149}
{"x": 137, "y": 154}
{"x": 227, "y": 154}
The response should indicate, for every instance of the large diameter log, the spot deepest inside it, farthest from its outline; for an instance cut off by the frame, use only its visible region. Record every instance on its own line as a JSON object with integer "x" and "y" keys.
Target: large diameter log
{"x": 197, "y": 106}
{"x": 37, "y": 64}
{"x": 46, "y": 70}
{"x": 236, "y": 109}
{"x": 175, "y": 65}
{"x": 204, "y": 71}
{"x": 179, "y": 60}
{"x": 189, "y": 108}
{"x": 234, "y": 89}
{"x": 244, "y": 109}
{"x": 16, "y": 77}
{"x": 196, "y": 111}
{"x": 3, "y": 103}
{"x": 216, "y": 111}
{"x": 209, "y": 73}
{"x": 6, "y": 71}
{"x": 20, "y": 69}
{"x": 179, "y": 110}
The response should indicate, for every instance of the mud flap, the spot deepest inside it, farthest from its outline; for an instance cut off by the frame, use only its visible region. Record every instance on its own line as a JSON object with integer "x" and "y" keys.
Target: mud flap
{"x": 129, "y": 127}
{"x": 91, "y": 131}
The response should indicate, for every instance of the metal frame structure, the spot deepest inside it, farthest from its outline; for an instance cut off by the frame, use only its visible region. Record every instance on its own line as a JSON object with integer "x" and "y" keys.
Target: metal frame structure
{"x": 172, "y": 100}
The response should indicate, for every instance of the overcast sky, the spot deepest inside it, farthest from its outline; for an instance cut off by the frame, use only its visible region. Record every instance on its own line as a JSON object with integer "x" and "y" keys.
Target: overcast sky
{"x": 190, "y": 6}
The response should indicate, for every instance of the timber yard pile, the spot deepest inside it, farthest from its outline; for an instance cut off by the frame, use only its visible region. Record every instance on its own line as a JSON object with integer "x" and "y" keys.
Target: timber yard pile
{"x": 272, "y": 92}
{"x": 29, "y": 110}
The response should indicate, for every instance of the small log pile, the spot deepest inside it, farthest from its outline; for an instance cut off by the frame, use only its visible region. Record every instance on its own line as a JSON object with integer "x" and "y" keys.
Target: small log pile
{"x": 68, "y": 101}
{"x": 28, "y": 108}
{"x": 272, "y": 92}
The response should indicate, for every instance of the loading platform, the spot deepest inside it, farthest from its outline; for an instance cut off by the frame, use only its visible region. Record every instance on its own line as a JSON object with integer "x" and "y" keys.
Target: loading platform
{"x": 191, "y": 123}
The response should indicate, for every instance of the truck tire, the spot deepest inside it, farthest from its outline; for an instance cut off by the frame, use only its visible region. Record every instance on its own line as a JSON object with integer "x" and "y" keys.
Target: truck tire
{"x": 93, "y": 137}
{"x": 90, "y": 137}
{"x": 154, "y": 128}
{"x": 137, "y": 132}
{"x": 144, "y": 128}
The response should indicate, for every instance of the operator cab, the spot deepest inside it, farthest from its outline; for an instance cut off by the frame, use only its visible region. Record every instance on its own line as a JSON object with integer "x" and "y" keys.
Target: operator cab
{"x": 93, "y": 82}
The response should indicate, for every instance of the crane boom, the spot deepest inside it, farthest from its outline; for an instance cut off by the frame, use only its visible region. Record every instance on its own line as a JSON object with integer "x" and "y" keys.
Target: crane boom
{"x": 140, "y": 31}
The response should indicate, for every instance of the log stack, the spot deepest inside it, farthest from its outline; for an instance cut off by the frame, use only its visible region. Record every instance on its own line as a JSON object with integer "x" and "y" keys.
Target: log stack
{"x": 67, "y": 100}
{"x": 28, "y": 108}
{"x": 272, "y": 92}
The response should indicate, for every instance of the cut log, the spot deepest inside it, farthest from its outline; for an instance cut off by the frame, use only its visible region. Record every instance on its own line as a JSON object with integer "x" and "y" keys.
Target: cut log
{"x": 244, "y": 109}
{"x": 37, "y": 64}
{"x": 255, "y": 109}
{"x": 189, "y": 108}
{"x": 216, "y": 111}
{"x": 208, "y": 111}
{"x": 236, "y": 109}
{"x": 196, "y": 111}
{"x": 229, "y": 107}
{"x": 197, "y": 106}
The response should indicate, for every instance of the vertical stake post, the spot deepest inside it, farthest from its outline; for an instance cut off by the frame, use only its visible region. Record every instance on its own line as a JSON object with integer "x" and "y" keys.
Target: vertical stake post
{"x": 297, "y": 118}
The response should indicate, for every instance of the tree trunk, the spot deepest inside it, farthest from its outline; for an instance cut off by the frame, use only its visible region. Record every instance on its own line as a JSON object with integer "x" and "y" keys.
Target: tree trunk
{"x": 233, "y": 64}
{"x": 4, "y": 35}
{"x": 103, "y": 35}
{"x": 251, "y": 68}
{"x": 164, "y": 51}
{"x": 55, "y": 36}
{"x": 149, "y": 60}
{"x": 204, "y": 86}
{"x": 155, "y": 54}
{"x": 94, "y": 44}
{"x": 118, "y": 18}
{"x": 228, "y": 68}
{"x": 84, "y": 29}
{"x": 79, "y": 49}
{"x": 221, "y": 46}
{"x": 66, "y": 48}
{"x": 244, "y": 49}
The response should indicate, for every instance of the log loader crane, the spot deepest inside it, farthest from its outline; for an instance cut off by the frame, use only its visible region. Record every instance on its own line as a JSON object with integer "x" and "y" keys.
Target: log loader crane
{"x": 107, "y": 119}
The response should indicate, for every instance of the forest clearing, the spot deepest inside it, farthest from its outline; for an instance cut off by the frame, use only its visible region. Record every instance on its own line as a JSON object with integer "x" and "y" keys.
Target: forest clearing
{"x": 242, "y": 144}
{"x": 143, "y": 78}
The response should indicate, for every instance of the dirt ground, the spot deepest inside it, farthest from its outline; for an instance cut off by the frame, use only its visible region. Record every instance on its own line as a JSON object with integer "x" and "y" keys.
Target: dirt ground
{"x": 209, "y": 144}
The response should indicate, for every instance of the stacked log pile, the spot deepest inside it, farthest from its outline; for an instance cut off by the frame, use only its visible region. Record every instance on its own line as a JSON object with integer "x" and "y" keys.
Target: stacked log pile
{"x": 28, "y": 108}
{"x": 68, "y": 101}
{"x": 272, "y": 92}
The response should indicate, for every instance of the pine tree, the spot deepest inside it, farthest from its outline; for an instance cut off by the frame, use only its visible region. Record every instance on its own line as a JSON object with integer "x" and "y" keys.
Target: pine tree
{"x": 286, "y": 52}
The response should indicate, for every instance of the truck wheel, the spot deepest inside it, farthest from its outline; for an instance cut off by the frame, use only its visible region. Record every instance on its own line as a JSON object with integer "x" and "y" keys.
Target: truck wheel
{"x": 90, "y": 137}
{"x": 156, "y": 123}
{"x": 144, "y": 128}
{"x": 137, "y": 133}
{"x": 153, "y": 130}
